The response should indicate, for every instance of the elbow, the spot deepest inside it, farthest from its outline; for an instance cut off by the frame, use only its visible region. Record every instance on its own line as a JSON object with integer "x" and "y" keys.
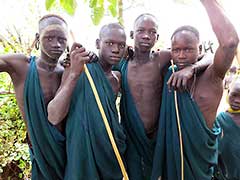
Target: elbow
{"x": 231, "y": 44}
{"x": 53, "y": 117}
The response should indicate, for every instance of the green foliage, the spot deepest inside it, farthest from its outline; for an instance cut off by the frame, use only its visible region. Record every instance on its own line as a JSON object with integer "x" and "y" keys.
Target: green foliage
{"x": 13, "y": 146}
{"x": 69, "y": 6}
{"x": 97, "y": 7}
{"x": 14, "y": 154}
{"x": 113, "y": 7}
{"x": 49, "y": 4}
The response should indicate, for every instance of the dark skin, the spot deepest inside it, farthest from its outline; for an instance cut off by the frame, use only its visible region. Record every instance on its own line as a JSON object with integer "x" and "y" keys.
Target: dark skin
{"x": 234, "y": 101}
{"x": 208, "y": 87}
{"x": 53, "y": 42}
{"x": 145, "y": 73}
{"x": 111, "y": 46}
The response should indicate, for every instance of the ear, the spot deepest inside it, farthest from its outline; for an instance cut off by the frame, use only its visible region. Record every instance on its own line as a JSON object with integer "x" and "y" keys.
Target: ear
{"x": 131, "y": 34}
{"x": 98, "y": 43}
{"x": 200, "y": 48}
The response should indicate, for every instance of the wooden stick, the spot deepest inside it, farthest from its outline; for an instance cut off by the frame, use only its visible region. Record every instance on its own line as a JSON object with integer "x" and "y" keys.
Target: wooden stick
{"x": 179, "y": 128}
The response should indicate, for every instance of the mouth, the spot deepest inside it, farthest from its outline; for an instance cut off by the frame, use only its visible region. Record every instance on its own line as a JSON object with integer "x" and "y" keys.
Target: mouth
{"x": 56, "y": 51}
{"x": 145, "y": 44}
{"x": 115, "y": 58}
{"x": 182, "y": 65}
{"x": 235, "y": 107}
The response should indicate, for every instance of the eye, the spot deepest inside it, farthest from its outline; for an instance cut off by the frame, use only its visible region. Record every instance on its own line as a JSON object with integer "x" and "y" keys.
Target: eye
{"x": 140, "y": 30}
{"x": 49, "y": 38}
{"x": 62, "y": 40}
{"x": 175, "y": 51}
{"x": 122, "y": 46}
{"x": 153, "y": 32}
{"x": 109, "y": 43}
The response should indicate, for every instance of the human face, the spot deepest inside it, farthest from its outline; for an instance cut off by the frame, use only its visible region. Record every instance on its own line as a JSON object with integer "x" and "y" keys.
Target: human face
{"x": 145, "y": 33}
{"x": 53, "y": 40}
{"x": 185, "y": 49}
{"x": 234, "y": 96}
{"x": 112, "y": 46}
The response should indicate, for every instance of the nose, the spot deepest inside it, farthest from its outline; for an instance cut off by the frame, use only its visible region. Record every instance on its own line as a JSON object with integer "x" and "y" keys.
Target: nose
{"x": 115, "y": 48}
{"x": 181, "y": 54}
{"x": 146, "y": 35}
{"x": 56, "y": 43}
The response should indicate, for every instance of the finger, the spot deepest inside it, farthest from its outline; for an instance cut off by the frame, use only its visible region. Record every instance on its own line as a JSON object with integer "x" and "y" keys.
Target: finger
{"x": 184, "y": 83}
{"x": 169, "y": 82}
{"x": 75, "y": 46}
{"x": 178, "y": 84}
{"x": 78, "y": 51}
{"x": 173, "y": 84}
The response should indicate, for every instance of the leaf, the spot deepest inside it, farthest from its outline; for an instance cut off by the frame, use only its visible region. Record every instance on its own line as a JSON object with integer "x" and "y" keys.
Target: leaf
{"x": 97, "y": 14}
{"x": 113, "y": 7}
{"x": 69, "y": 6}
{"x": 113, "y": 10}
{"x": 49, "y": 4}
{"x": 92, "y": 3}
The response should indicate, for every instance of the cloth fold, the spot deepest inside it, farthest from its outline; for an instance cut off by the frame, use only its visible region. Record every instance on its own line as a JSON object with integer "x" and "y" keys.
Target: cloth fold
{"x": 199, "y": 142}
{"x": 48, "y": 144}
{"x": 89, "y": 151}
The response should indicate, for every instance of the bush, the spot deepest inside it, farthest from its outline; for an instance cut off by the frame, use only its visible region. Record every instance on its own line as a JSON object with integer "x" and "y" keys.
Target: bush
{"x": 14, "y": 154}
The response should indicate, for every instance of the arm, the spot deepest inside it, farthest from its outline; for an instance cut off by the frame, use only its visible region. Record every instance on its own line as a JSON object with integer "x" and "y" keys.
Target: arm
{"x": 59, "y": 106}
{"x": 12, "y": 63}
{"x": 179, "y": 79}
{"x": 226, "y": 35}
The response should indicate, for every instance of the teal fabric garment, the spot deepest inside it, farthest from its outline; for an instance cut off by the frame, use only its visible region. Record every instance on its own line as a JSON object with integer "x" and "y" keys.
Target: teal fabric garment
{"x": 89, "y": 152}
{"x": 48, "y": 144}
{"x": 229, "y": 147}
{"x": 140, "y": 149}
{"x": 199, "y": 142}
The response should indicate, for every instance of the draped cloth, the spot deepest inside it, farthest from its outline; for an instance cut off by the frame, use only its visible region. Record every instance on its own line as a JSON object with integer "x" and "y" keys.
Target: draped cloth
{"x": 199, "y": 142}
{"x": 89, "y": 152}
{"x": 140, "y": 149}
{"x": 229, "y": 148}
{"x": 48, "y": 144}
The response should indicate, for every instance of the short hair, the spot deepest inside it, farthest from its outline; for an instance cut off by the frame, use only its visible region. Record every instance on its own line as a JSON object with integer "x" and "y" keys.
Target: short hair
{"x": 145, "y": 15}
{"x": 51, "y": 15}
{"x": 187, "y": 28}
{"x": 110, "y": 26}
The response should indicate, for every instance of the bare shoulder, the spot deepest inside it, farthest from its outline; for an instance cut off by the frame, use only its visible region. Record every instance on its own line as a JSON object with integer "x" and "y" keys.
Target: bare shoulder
{"x": 13, "y": 63}
{"x": 162, "y": 57}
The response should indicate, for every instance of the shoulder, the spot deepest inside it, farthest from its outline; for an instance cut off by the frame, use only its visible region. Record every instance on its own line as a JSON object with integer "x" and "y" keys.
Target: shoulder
{"x": 14, "y": 63}
{"x": 162, "y": 57}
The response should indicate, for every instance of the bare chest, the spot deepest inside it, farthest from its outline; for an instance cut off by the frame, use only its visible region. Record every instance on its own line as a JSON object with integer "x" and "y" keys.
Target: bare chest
{"x": 50, "y": 82}
{"x": 207, "y": 95}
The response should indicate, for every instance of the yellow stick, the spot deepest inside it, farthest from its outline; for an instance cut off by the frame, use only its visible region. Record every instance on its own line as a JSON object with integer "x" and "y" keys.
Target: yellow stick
{"x": 120, "y": 162}
{"x": 179, "y": 128}
{"x": 110, "y": 135}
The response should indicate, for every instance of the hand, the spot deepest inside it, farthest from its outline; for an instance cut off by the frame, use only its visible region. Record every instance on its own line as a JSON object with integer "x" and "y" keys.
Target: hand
{"x": 179, "y": 79}
{"x": 78, "y": 57}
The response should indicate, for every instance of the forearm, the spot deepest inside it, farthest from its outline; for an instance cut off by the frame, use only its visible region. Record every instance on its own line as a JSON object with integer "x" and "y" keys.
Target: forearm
{"x": 203, "y": 62}
{"x": 223, "y": 28}
{"x": 58, "y": 108}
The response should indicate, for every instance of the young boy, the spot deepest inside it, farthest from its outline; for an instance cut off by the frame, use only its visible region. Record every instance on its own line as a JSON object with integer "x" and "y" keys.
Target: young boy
{"x": 89, "y": 152}
{"x": 36, "y": 80}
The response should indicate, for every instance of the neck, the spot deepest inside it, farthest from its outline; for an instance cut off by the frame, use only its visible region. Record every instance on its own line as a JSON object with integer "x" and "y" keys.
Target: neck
{"x": 46, "y": 65}
{"x": 107, "y": 68}
{"x": 141, "y": 57}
